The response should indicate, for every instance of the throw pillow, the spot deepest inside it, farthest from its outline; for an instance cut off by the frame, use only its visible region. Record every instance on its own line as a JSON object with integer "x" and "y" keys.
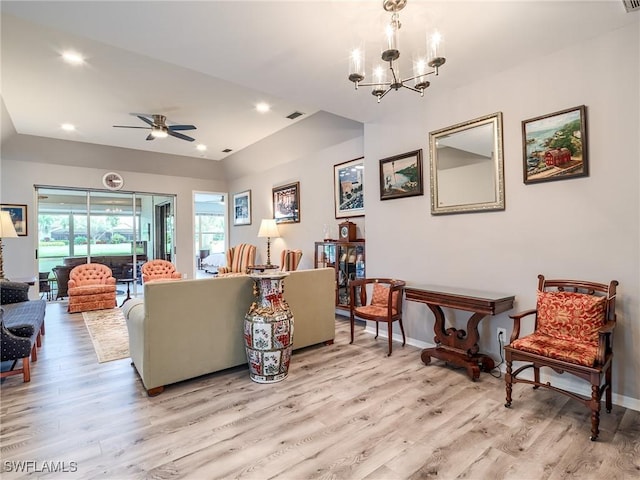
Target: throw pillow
{"x": 380, "y": 296}
{"x": 571, "y": 316}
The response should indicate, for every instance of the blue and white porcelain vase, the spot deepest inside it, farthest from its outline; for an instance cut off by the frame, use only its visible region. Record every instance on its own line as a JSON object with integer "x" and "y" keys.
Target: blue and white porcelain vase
{"x": 268, "y": 329}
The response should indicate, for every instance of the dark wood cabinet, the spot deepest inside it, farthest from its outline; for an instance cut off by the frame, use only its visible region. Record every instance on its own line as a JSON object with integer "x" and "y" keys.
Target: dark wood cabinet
{"x": 348, "y": 261}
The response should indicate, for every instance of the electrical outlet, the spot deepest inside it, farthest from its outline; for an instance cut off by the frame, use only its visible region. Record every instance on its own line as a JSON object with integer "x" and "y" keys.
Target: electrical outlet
{"x": 501, "y": 335}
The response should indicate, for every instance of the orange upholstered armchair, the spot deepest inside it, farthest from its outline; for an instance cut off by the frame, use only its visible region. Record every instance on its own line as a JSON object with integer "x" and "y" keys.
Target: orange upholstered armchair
{"x": 239, "y": 258}
{"x": 91, "y": 287}
{"x": 573, "y": 333}
{"x": 159, "y": 270}
{"x": 290, "y": 259}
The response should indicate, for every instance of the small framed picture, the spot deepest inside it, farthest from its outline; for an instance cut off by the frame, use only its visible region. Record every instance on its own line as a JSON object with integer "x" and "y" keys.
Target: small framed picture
{"x": 286, "y": 203}
{"x": 242, "y": 208}
{"x": 401, "y": 176}
{"x": 348, "y": 188}
{"x": 555, "y": 146}
{"x": 18, "y": 214}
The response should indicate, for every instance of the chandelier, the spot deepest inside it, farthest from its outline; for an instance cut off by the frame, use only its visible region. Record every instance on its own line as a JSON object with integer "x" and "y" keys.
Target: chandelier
{"x": 381, "y": 85}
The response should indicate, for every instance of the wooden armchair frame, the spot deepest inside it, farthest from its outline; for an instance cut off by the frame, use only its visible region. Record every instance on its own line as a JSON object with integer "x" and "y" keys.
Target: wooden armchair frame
{"x": 598, "y": 375}
{"x": 358, "y": 307}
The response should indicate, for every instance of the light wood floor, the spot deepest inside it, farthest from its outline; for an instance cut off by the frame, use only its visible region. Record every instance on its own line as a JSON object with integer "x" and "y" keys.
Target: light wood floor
{"x": 344, "y": 412}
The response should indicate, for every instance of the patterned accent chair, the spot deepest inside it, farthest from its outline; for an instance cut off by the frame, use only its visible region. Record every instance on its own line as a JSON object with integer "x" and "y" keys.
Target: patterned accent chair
{"x": 159, "y": 270}
{"x": 385, "y": 306}
{"x": 290, "y": 259}
{"x": 91, "y": 287}
{"x": 574, "y": 322}
{"x": 238, "y": 259}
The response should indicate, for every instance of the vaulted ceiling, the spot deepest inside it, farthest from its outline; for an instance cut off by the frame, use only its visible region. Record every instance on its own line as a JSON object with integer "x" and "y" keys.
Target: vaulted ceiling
{"x": 208, "y": 63}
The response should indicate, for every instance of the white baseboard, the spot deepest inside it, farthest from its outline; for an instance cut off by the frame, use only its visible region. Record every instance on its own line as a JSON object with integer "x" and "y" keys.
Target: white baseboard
{"x": 563, "y": 382}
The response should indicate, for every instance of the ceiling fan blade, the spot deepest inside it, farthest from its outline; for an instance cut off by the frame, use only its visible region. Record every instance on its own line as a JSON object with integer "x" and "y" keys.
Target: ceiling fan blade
{"x": 129, "y": 126}
{"x": 151, "y": 137}
{"x": 181, "y": 127}
{"x": 145, "y": 120}
{"x": 180, "y": 136}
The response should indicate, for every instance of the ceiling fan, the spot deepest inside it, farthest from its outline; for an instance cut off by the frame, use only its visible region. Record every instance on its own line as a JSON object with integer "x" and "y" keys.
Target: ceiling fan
{"x": 160, "y": 129}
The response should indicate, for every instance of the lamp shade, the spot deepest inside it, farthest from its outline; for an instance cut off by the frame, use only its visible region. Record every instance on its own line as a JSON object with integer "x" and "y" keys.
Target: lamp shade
{"x": 7, "y": 230}
{"x": 268, "y": 228}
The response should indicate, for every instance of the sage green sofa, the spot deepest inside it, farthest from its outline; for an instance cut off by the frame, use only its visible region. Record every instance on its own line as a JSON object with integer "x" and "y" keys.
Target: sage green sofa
{"x": 186, "y": 328}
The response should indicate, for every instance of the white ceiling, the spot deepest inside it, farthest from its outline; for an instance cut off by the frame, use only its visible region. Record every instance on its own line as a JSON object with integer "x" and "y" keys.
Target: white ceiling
{"x": 208, "y": 63}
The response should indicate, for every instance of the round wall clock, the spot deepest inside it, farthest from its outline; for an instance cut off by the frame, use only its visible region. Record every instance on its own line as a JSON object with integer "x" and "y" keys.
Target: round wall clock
{"x": 113, "y": 181}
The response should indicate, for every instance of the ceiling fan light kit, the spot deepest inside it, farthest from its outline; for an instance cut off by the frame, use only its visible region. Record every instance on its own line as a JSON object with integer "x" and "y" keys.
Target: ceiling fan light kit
{"x": 381, "y": 85}
{"x": 159, "y": 128}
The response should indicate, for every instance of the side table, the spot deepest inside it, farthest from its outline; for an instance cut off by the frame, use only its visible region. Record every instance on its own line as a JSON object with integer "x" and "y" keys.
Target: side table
{"x": 459, "y": 347}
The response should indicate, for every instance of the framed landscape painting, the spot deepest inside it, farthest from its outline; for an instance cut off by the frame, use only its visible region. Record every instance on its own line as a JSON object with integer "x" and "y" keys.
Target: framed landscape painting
{"x": 18, "y": 214}
{"x": 348, "y": 188}
{"x": 401, "y": 176}
{"x": 555, "y": 146}
{"x": 242, "y": 208}
{"x": 286, "y": 203}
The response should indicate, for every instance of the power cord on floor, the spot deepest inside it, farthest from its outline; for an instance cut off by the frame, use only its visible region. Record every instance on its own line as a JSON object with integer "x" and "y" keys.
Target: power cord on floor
{"x": 497, "y": 367}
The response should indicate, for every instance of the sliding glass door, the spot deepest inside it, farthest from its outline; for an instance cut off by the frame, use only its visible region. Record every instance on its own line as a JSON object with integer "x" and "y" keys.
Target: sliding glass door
{"x": 115, "y": 228}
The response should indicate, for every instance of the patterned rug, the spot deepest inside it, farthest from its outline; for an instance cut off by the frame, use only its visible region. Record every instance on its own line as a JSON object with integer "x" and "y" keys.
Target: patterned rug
{"x": 108, "y": 331}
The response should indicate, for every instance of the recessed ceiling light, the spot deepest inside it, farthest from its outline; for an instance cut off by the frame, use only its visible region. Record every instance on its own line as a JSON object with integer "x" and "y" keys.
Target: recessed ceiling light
{"x": 73, "y": 58}
{"x": 67, "y": 127}
{"x": 263, "y": 107}
{"x": 202, "y": 148}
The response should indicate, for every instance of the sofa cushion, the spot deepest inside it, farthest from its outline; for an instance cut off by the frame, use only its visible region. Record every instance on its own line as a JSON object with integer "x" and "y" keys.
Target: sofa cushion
{"x": 13, "y": 292}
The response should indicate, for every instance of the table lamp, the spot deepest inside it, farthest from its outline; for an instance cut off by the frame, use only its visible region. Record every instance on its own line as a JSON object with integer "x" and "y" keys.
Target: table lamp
{"x": 7, "y": 230}
{"x": 269, "y": 229}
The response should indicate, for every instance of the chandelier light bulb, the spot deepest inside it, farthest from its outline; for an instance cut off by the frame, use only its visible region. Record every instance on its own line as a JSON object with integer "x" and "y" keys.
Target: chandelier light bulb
{"x": 356, "y": 66}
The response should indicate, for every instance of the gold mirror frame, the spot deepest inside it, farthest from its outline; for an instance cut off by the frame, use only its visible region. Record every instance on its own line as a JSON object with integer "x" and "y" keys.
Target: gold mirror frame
{"x": 467, "y": 166}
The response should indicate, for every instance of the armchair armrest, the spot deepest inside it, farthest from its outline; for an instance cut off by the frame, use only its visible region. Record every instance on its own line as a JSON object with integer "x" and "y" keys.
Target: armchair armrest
{"x": 604, "y": 341}
{"x": 516, "y": 322}
{"x": 13, "y": 292}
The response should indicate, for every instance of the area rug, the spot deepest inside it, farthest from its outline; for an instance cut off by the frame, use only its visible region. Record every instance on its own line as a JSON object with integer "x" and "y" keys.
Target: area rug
{"x": 108, "y": 331}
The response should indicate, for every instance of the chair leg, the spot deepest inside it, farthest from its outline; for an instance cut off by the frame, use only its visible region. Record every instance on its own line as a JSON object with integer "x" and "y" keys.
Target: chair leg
{"x": 351, "y": 321}
{"x": 34, "y": 353}
{"x": 404, "y": 341}
{"x": 390, "y": 328}
{"x": 536, "y": 376}
{"x": 608, "y": 384}
{"x": 594, "y": 404}
{"x": 376, "y": 329}
{"x": 26, "y": 370}
{"x": 508, "y": 383}
{"x": 42, "y": 328}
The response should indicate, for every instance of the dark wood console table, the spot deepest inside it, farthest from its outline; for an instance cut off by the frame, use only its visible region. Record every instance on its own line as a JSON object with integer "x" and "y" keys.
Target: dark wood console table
{"x": 459, "y": 347}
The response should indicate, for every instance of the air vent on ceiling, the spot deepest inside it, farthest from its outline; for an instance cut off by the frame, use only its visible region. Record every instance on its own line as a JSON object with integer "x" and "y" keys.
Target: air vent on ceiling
{"x": 294, "y": 115}
{"x": 227, "y": 150}
{"x": 631, "y": 5}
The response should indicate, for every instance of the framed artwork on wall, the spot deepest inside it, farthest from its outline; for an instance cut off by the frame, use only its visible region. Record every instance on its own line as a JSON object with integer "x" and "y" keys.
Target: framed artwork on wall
{"x": 242, "y": 208}
{"x": 286, "y": 203}
{"x": 348, "y": 188}
{"x": 554, "y": 146}
{"x": 401, "y": 176}
{"x": 18, "y": 214}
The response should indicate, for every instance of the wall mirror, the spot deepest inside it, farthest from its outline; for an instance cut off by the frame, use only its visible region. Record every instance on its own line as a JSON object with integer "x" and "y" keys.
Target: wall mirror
{"x": 466, "y": 166}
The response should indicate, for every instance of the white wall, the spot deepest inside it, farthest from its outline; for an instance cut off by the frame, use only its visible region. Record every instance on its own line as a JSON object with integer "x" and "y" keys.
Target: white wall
{"x": 584, "y": 228}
